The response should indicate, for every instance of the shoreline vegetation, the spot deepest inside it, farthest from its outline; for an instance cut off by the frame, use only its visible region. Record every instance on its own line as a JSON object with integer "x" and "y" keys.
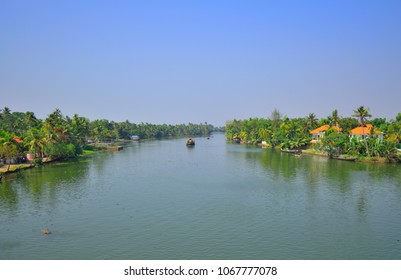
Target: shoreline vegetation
{"x": 26, "y": 141}
{"x": 354, "y": 138}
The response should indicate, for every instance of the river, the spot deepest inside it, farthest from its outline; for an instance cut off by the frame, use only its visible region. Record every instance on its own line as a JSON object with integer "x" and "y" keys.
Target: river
{"x": 162, "y": 200}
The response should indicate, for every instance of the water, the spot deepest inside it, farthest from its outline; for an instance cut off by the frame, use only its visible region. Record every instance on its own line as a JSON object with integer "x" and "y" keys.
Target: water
{"x": 163, "y": 200}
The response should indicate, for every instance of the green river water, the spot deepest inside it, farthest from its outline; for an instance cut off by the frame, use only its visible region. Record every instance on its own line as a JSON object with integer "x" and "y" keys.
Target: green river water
{"x": 217, "y": 200}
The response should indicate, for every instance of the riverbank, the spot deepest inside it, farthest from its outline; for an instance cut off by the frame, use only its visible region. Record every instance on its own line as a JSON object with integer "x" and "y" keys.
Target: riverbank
{"x": 314, "y": 152}
{"x": 6, "y": 169}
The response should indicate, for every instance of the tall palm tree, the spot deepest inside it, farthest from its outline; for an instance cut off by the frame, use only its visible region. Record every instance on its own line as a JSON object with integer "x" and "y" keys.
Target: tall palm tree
{"x": 36, "y": 141}
{"x": 6, "y": 111}
{"x": 334, "y": 118}
{"x": 362, "y": 113}
{"x": 311, "y": 121}
{"x": 30, "y": 119}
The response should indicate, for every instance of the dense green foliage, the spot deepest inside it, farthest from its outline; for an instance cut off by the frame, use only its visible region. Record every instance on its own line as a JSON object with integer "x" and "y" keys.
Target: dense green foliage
{"x": 60, "y": 136}
{"x": 278, "y": 131}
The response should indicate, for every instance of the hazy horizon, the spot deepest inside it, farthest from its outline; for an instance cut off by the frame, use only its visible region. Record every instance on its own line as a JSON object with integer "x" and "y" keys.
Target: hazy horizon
{"x": 177, "y": 62}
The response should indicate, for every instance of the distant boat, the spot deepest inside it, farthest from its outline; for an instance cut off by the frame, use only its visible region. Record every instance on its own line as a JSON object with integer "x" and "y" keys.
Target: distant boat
{"x": 190, "y": 142}
{"x": 135, "y": 138}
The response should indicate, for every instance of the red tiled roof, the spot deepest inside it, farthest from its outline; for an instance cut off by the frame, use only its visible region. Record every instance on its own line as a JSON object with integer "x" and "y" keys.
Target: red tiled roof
{"x": 17, "y": 139}
{"x": 325, "y": 128}
{"x": 364, "y": 130}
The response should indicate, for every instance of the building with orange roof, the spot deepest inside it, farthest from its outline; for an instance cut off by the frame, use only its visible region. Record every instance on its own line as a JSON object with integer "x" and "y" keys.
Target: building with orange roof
{"x": 363, "y": 132}
{"x": 17, "y": 139}
{"x": 320, "y": 131}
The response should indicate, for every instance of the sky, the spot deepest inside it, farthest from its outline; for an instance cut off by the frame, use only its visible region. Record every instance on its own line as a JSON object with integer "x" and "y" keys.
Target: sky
{"x": 200, "y": 61}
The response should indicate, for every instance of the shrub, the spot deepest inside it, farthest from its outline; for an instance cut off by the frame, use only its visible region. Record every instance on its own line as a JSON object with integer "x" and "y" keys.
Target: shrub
{"x": 37, "y": 161}
{"x": 88, "y": 148}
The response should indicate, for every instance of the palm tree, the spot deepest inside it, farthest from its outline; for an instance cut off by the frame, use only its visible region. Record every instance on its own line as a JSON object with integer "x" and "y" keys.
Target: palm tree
{"x": 276, "y": 118}
{"x": 79, "y": 129}
{"x": 264, "y": 133}
{"x": 334, "y": 118}
{"x": 36, "y": 141}
{"x": 362, "y": 113}
{"x": 30, "y": 119}
{"x": 311, "y": 121}
{"x": 6, "y": 111}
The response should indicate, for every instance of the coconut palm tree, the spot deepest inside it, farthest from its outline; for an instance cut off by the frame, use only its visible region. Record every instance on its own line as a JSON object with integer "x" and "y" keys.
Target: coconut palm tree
{"x": 30, "y": 119}
{"x": 362, "y": 113}
{"x": 36, "y": 141}
{"x": 311, "y": 121}
{"x": 6, "y": 111}
{"x": 264, "y": 133}
{"x": 334, "y": 118}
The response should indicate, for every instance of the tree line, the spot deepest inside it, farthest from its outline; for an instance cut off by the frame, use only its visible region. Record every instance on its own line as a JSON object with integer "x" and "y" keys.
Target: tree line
{"x": 281, "y": 131}
{"x": 60, "y": 136}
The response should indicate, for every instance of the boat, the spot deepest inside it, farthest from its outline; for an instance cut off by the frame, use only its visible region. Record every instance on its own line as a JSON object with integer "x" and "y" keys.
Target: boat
{"x": 190, "y": 142}
{"x": 236, "y": 139}
{"x": 135, "y": 138}
{"x": 344, "y": 158}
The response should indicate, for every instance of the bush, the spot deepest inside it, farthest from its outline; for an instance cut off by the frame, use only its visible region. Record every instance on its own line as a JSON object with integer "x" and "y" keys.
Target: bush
{"x": 78, "y": 150}
{"x": 60, "y": 151}
{"x": 37, "y": 161}
{"x": 88, "y": 148}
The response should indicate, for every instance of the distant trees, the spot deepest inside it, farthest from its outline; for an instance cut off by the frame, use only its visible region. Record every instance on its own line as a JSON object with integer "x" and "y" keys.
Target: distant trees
{"x": 289, "y": 133}
{"x": 60, "y": 136}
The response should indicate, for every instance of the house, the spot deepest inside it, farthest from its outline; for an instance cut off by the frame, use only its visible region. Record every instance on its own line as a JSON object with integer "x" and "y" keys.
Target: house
{"x": 364, "y": 132}
{"x": 320, "y": 131}
{"x": 12, "y": 160}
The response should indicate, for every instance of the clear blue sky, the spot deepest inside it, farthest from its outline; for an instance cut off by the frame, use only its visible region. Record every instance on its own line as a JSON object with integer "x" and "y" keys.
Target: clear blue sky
{"x": 200, "y": 61}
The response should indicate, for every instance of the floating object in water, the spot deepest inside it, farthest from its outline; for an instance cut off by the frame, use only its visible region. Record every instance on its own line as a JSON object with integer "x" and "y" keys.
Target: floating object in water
{"x": 46, "y": 231}
{"x": 190, "y": 142}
